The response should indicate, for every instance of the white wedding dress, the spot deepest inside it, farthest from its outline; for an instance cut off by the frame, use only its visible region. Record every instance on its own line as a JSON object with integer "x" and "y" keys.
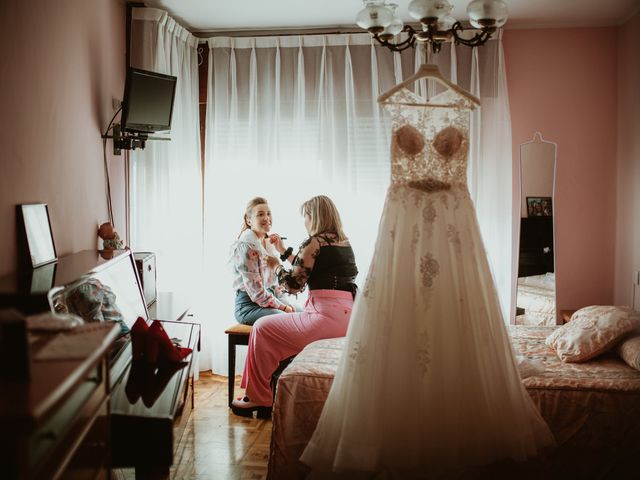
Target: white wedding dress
{"x": 427, "y": 382}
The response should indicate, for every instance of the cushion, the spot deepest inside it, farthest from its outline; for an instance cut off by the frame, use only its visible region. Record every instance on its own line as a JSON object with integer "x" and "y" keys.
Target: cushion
{"x": 592, "y": 331}
{"x": 629, "y": 351}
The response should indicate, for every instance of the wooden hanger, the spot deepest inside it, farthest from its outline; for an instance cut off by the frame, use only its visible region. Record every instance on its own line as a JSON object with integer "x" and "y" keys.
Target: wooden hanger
{"x": 433, "y": 72}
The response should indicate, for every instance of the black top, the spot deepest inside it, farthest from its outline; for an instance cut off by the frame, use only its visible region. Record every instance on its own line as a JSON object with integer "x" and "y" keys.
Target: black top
{"x": 322, "y": 265}
{"x": 335, "y": 269}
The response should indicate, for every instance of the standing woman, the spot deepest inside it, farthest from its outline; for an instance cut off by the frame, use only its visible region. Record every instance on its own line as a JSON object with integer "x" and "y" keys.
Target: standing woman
{"x": 255, "y": 282}
{"x": 325, "y": 262}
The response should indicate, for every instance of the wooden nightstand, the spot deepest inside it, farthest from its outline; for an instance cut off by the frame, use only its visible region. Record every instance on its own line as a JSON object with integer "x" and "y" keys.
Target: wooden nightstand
{"x": 566, "y": 315}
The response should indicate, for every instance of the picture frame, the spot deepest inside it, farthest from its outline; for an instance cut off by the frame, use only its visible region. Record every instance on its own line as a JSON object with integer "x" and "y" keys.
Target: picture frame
{"x": 37, "y": 235}
{"x": 539, "y": 207}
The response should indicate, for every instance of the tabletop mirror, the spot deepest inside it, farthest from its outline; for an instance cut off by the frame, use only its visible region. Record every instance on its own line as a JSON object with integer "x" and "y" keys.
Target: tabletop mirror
{"x": 536, "y": 285}
{"x": 34, "y": 219}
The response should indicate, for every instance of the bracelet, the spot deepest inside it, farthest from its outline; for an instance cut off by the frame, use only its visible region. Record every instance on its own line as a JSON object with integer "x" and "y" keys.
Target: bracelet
{"x": 286, "y": 254}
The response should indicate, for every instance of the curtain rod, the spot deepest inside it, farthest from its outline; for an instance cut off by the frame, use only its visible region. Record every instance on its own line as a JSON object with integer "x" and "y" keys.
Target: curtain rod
{"x": 275, "y": 33}
{"x": 282, "y": 32}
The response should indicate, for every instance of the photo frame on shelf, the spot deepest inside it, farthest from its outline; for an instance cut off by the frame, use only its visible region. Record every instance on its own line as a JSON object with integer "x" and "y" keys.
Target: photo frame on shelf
{"x": 37, "y": 236}
{"x": 539, "y": 207}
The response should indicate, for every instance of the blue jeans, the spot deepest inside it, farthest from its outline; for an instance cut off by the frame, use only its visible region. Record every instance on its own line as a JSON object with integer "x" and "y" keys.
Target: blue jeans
{"x": 247, "y": 311}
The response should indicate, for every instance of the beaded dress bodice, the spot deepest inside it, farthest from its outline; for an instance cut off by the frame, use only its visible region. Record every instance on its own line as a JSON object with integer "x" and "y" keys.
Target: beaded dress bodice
{"x": 429, "y": 142}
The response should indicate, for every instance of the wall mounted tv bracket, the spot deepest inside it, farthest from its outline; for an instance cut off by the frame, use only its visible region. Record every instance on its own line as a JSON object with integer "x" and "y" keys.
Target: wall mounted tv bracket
{"x": 123, "y": 140}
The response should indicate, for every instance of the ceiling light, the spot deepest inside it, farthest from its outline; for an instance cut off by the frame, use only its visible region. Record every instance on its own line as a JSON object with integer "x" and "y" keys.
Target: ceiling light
{"x": 381, "y": 20}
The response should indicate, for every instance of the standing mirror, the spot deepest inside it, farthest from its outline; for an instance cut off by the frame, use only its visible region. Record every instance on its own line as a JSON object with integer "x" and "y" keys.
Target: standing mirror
{"x": 536, "y": 287}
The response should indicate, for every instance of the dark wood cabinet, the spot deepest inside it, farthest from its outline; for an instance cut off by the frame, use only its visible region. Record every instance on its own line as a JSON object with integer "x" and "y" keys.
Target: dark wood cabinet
{"x": 56, "y": 424}
{"x": 108, "y": 410}
{"x": 536, "y": 246}
{"x": 149, "y": 409}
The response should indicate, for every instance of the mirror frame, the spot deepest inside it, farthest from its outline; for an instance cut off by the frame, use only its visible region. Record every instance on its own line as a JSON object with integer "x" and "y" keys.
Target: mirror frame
{"x": 28, "y": 246}
{"x": 537, "y": 139}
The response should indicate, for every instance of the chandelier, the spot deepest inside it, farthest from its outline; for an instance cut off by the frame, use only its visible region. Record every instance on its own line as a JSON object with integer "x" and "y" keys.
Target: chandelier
{"x": 381, "y": 20}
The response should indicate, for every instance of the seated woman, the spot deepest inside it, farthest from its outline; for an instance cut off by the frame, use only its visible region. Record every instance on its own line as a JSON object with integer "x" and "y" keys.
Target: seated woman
{"x": 326, "y": 263}
{"x": 255, "y": 282}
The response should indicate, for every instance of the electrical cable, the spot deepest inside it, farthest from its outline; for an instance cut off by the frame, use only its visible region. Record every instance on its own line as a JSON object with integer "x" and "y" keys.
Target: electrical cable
{"x": 112, "y": 119}
{"x": 127, "y": 195}
{"x": 106, "y": 167}
{"x": 107, "y": 181}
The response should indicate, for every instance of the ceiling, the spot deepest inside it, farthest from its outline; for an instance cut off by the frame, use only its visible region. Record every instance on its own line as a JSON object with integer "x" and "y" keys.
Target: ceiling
{"x": 210, "y": 15}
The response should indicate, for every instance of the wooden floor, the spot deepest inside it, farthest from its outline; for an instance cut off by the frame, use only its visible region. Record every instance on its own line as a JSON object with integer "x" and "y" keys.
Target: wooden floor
{"x": 216, "y": 443}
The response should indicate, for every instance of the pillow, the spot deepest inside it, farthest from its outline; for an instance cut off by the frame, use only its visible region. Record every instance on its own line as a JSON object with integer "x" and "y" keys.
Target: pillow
{"x": 592, "y": 331}
{"x": 629, "y": 351}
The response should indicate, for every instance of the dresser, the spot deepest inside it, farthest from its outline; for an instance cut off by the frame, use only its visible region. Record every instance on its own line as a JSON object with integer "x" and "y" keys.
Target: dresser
{"x": 147, "y": 407}
{"x": 56, "y": 424}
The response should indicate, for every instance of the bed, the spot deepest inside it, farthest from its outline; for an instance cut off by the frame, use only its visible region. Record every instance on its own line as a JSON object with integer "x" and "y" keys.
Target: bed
{"x": 536, "y": 295}
{"x": 593, "y": 409}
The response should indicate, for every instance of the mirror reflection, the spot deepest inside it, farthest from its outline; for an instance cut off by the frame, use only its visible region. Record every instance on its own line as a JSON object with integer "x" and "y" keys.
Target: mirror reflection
{"x": 536, "y": 288}
{"x": 146, "y": 384}
{"x": 109, "y": 294}
{"x": 38, "y": 232}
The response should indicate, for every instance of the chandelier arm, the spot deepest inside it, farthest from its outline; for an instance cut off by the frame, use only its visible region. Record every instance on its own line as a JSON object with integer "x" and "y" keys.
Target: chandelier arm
{"x": 396, "y": 47}
{"x": 399, "y": 47}
{"x": 477, "y": 40}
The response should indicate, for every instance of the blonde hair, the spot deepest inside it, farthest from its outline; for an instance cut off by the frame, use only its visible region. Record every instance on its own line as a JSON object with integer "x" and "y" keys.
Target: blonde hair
{"x": 254, "y": 202}
{"x": 324, "y": 217}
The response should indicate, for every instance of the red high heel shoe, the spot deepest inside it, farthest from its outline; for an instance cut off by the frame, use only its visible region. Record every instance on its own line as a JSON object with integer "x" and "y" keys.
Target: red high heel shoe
{"x": 139, "y": 334}
{"x": 160, "y": 348}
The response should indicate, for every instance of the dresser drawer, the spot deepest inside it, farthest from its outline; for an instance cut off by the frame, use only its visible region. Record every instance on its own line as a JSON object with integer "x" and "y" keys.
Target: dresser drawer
{"x": 92, "y": 459}
{"x": 48, "y": 447}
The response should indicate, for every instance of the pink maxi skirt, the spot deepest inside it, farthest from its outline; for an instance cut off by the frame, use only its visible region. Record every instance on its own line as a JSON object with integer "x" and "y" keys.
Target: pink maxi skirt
{"x": 277, "y": 337}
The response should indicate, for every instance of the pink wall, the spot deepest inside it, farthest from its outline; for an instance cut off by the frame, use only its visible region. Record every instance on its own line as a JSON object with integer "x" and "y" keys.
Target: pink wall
{"x": 628, "y": 201}
{"x": 563, "y": 84}
{"x": 62, "y": 64}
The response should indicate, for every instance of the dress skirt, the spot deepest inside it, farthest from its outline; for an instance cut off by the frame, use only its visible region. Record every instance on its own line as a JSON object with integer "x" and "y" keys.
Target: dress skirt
{"x": 428, "y": 381}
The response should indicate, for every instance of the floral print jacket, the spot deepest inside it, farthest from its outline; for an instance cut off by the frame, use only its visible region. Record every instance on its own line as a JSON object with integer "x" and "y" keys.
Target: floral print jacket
{"x": 251, "y": 273}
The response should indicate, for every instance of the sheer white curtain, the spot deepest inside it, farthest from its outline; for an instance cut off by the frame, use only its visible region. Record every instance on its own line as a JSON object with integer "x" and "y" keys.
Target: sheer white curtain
{"x": 292, "y": 117}
{"x": 289, "y": 118}
{"x": 166, "y": 177}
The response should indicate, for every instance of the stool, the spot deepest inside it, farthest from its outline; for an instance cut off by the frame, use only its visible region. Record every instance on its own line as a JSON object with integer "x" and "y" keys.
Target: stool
{"x": 238, "y": 335}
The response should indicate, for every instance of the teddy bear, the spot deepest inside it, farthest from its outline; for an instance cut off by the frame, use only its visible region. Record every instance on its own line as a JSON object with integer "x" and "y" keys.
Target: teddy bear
{"x": 110, "y": 238}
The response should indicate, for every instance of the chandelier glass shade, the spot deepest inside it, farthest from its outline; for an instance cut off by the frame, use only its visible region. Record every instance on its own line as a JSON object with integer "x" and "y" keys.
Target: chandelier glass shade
{"x": 380, "y": 18}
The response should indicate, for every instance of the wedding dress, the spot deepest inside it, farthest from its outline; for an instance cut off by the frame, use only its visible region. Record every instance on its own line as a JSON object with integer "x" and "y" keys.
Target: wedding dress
{"x": 428, "y": 381}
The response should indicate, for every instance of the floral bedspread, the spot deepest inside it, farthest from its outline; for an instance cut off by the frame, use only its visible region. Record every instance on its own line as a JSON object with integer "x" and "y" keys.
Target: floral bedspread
{"x": 605, "y": 373}
{"x": 593, "y": 409}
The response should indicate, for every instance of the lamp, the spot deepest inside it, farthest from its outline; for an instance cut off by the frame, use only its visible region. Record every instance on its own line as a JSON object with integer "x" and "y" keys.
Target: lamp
{"x": 438, "y": 26}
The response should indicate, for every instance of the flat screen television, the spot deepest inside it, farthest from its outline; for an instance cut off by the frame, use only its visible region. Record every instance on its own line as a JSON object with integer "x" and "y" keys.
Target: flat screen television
{"x": 147, "y": 106}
